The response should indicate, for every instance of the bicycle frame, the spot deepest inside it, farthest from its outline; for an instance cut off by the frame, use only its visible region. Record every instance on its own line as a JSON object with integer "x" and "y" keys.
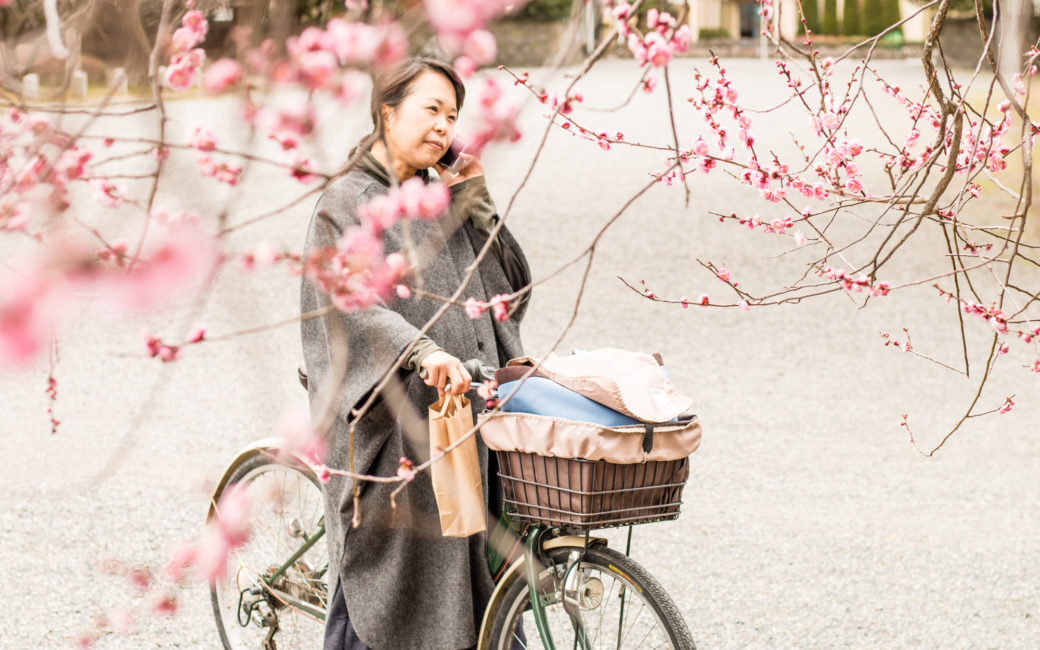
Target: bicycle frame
{"x": 536, "y": 540}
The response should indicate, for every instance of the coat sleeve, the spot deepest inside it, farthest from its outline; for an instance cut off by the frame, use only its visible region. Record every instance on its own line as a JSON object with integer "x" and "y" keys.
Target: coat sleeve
{"x": 368, "y": 341}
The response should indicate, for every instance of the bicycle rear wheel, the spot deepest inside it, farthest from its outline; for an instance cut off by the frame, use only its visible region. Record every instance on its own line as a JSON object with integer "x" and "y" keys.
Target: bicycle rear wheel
{"x": 605, "y": 600}
{"x": 271, "y": 599}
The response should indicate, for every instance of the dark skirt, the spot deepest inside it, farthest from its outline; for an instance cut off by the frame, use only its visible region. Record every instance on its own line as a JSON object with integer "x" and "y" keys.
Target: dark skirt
{"x": 339, "y": 633}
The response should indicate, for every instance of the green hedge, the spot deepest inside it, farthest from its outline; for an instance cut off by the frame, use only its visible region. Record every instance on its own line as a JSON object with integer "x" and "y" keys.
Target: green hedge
{"x": 712, "y": 33}
{"x": 546, "y": 10}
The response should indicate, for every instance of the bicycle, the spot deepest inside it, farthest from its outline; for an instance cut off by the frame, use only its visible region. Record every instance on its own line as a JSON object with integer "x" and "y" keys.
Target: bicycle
{"x": 556, "y": 585}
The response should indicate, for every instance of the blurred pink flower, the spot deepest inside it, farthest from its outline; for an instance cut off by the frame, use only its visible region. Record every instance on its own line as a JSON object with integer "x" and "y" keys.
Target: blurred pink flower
{"x": 203, "y": 139}
{"x": 474, "y": 308}
{"x": 221, "y": 75}
{"x": 480, "y": 46}
{"x": 299, "y": 437}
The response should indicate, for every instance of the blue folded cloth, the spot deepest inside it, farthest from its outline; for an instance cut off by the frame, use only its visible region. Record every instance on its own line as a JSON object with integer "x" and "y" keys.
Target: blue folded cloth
{"x": 542, "y": 396}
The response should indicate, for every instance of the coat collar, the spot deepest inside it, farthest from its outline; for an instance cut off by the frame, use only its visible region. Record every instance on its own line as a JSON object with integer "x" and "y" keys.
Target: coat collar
{"x": 369, "y": 164}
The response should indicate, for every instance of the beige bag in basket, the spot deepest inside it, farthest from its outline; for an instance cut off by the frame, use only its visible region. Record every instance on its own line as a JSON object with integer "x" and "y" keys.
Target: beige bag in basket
{"x": 456, "y": 477}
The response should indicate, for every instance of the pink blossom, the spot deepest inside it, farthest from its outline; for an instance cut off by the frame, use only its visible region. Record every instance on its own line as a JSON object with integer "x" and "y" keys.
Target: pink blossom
{"x": 853, "y": 185}
{"x": 203, "y": 139}
{"x": 363, "y": 248}
{"x": 702, "y": 299}
{"x": 265, "y": 253}
{"x": 318, "y": 69}
{"x": 299, "y": 437}
{"x": 700, "y": 147}
{"x": 658, "y": 51}
{"x": 406, "y": 469}
{"x": 176, "y": 262}
{"x": 681, "y": 39}
{"x": 107, "y": 194}
{"x": 500, "y": 307}
{"x": 474, "y": 308}
{"x": 221, "y": 75}
{"x": 181, "y": 558}
{"x": 14, "y": 216}
{"x": 724, "y": 275}
{"x": 495, "y": 119}
{"x": 184, "y": 39}
{"x": 227, "y": 530}
{"x": 180, "y": 74}
{"x": 637, "y": 48}
{"x": 323, "y": 474}
{"x": 799, "y": 238}
{"x": 486, "y": 390}
{"x": 744, "y": 306}
{"x": 480, "y": 46}
{"x": 403, "y": 292}
{"x": 28, "y": 314}
{"x": 464, "y": 66}
{"x": 163, "y": 604}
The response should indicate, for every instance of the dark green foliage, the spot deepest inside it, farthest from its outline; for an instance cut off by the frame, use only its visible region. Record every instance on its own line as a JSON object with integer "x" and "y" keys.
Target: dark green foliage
{"x": 546, "y": 10}
{"x": 892, "y": 13}
{"x": 711, "y": 33}
{"x": 851, "y": 24}
{"x": 811, "y": 10}
{"x": 873, "y": 17}
{"x": 830, "y": 16}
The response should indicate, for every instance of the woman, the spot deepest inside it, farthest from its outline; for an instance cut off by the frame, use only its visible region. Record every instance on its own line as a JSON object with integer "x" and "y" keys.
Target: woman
{"x": 397, "y": 582}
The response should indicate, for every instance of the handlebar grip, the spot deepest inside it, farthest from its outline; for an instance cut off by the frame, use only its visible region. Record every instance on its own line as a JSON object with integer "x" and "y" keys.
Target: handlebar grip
{"x": 478, "y": 371}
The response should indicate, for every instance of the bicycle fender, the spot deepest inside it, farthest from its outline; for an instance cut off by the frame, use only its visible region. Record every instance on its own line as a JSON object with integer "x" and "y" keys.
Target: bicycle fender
{"x": 272, "y": 445}
{"x": 516, "y": 569}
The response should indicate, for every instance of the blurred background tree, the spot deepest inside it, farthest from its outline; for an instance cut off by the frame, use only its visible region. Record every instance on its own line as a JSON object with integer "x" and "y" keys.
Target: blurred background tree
{"x": 830, "y": 17}
{"x": 811, "y": 11}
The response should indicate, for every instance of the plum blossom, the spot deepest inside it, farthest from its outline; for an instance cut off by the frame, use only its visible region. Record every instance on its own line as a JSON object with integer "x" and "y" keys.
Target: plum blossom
{"x": 203, "y": 139}
{"x": 107, "y": 194}
{"x": 474, "y": 308}
{"x": 480, "y": 47}
{"x": 495, "y": 119}
{"x": 179, "y": 259}
{"x": 222, "y": 75}
{"x": 300, "y": 438}
{"x": 406, "y": 469}
{"x": 227, "y": 530}
{"x": 500, "y": 307}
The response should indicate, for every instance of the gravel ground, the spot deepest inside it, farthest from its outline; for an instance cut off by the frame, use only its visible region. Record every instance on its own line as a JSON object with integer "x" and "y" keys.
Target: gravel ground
{"x": 809, "y": 520}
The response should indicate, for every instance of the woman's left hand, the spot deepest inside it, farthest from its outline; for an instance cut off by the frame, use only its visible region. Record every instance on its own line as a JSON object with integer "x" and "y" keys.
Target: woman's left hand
{"x": 469, "y": 168}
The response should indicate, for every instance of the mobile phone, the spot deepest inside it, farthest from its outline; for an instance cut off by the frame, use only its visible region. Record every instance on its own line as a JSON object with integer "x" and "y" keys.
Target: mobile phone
{"x": 452, "y": 158}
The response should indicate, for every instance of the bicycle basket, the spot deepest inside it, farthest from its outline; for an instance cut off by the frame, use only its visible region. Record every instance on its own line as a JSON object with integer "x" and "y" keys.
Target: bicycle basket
{"x": 584, "y": 494}
{"x": 582, "y": 475}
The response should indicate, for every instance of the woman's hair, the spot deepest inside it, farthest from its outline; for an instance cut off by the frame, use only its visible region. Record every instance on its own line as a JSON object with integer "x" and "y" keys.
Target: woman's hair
{"x": 393, "y": 84}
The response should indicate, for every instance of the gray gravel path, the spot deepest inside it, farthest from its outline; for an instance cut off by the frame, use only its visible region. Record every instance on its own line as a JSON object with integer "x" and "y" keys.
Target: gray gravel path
{"x": 809, "y": 520}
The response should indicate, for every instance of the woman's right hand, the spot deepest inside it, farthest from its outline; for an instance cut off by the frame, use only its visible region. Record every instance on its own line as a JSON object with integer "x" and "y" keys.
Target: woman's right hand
{"x": 442, "y": 368}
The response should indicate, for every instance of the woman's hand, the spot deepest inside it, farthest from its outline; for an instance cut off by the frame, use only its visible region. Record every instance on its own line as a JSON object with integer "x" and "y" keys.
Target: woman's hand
{"x": 442, "y": 368}
{"x": 468, "y": 168}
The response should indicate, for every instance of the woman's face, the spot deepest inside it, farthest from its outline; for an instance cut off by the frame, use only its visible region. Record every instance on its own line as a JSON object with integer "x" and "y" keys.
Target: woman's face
{"x": 419, "y": 130}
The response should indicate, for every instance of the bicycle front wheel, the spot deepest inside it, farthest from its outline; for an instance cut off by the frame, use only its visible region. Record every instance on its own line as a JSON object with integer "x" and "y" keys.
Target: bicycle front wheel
{"x": 605, "y": 600}
{"x": 276, "y": 592}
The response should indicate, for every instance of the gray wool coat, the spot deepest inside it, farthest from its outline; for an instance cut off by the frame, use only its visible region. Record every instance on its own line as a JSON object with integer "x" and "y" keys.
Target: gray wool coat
{"x": 405, "y": 585}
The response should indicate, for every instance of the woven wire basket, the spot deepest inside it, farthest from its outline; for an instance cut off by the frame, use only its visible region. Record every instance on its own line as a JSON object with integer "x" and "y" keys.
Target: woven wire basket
{"x": 581, "y": 494}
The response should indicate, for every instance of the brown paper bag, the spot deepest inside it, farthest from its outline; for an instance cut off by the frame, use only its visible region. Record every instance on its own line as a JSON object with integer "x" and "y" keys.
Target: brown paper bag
{"x": 456, "y": 477}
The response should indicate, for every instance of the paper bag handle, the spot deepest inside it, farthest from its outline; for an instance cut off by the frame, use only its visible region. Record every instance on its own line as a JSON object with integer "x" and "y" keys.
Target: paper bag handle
{"x": 448, "y": 397}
